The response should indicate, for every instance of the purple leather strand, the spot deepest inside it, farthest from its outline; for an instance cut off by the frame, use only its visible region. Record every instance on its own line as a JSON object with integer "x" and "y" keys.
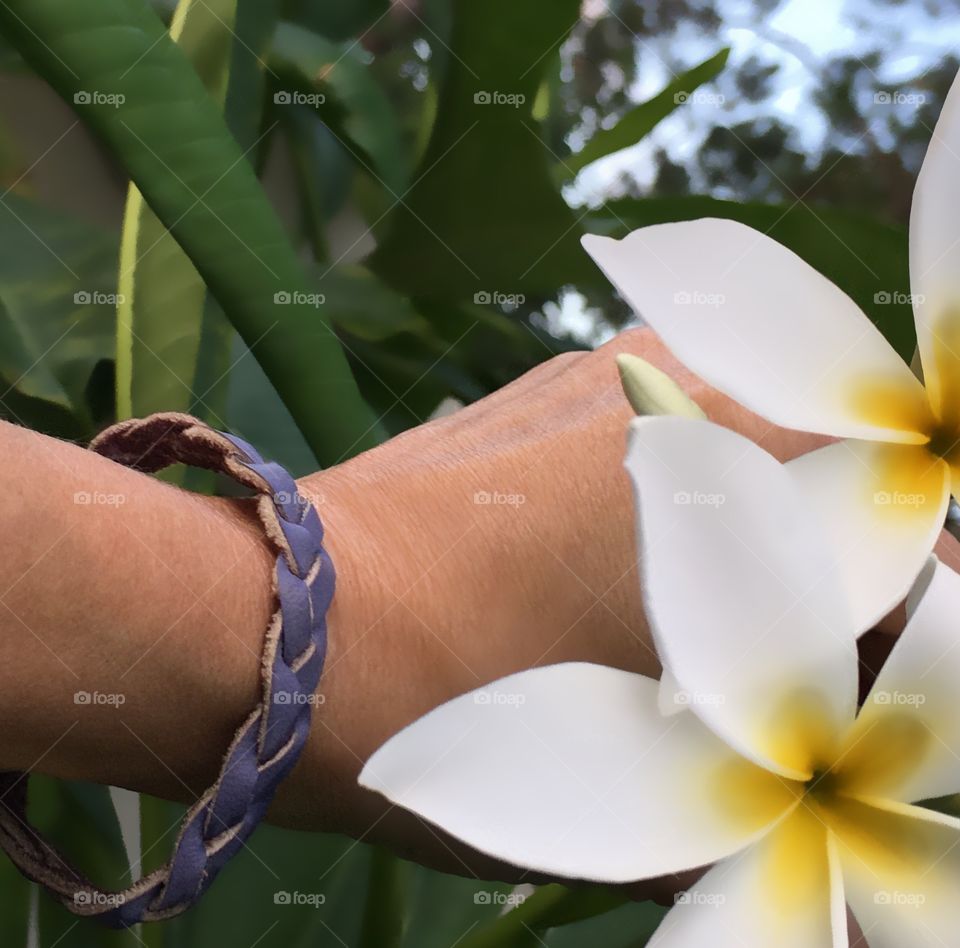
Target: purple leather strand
{"x": 267, "y": 744}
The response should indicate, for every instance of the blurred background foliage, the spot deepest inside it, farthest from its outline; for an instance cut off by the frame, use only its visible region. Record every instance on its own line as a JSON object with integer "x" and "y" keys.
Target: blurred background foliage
{"x": 315, "y": 222}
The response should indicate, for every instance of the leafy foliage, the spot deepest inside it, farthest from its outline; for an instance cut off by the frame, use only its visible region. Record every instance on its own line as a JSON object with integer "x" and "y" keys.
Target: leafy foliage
{"x": 340, "y": 215}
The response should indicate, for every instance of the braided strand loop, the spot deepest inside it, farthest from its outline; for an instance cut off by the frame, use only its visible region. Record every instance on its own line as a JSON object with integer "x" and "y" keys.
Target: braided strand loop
{"x": 268, "y": 743}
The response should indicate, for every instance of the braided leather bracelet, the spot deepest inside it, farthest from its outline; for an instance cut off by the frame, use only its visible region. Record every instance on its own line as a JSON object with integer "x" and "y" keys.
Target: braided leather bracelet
{"x": 269, "y": 741}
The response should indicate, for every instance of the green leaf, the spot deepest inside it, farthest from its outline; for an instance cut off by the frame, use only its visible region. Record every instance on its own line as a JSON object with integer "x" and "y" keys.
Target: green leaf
{"x": 56, "y": 314}
{"x": 354, "y": 106}
{"x": 630, "y": 926}
{"x": 283, "y": 890}
{"x": 346, "y": 19}
{"x": 161, "y": 295}
{"x": 385, "y": 906}
{"x": 639, "y": 121}
{"x": 442, "y": 908}
{"x": 866, "y": 259}
{"x": 483, "y": 213}
{"x": 81, "y": 820}
{"x": 363, "y": 306}
{"x": 137, "y": 90}
{"x": 549, "y": 906}
{"x": 15, "y": 896}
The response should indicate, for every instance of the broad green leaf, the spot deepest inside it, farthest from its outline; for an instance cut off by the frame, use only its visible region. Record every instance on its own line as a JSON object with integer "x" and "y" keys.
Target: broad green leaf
{"x": 80, "y": 819}
{"x": 15, "y": 895}
{"x": 344, "y": 20}
{"x": 283, "y": 890}
{"x": 354, "y": 106}
{"x": 483, "y": 213}
{"x": 385, "y": 907}
{"x": 630, "y": 926}
{"x": 363, "y": 306}
{"x": 547, "y": 907}
{"x": 136, "y": 89}
{"x": 161, "y": 295}
{"x": 56, "y": 313}
{"x": 639, "y": 121}
{"x": 442, "y": 909}
{"x": 865, "y": 258}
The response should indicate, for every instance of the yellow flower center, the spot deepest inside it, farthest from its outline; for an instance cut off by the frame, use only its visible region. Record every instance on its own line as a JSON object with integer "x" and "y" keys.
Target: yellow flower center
{"x": 846, "y": 774}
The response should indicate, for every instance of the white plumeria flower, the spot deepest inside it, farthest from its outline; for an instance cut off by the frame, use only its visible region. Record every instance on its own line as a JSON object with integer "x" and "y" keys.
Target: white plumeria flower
{"x": 758, "y": 323}
{"x": 802, "y": 803}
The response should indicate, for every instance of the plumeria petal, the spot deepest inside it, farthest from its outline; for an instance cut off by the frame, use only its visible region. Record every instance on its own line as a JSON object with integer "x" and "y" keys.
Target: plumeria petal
{"x": 785, "y": 890}
{"x": 757, "y": 322}
{"x": 906, "y": 743}
{"x": 935, "y": 257}
{"x": 673, "y": 698}
{"x": 744, "y": 610}
{"x": 571, "y": 770}
{"x": 882, "y": 507}
{"x": 901, "y": 874}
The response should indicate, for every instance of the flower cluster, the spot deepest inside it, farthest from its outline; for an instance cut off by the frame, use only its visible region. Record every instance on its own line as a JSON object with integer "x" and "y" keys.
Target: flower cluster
{"x": 752, "y": 755}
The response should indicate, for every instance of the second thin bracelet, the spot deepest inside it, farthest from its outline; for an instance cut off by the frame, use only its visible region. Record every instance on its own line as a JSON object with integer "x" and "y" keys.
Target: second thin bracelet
{"x": 267, "y": 744}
